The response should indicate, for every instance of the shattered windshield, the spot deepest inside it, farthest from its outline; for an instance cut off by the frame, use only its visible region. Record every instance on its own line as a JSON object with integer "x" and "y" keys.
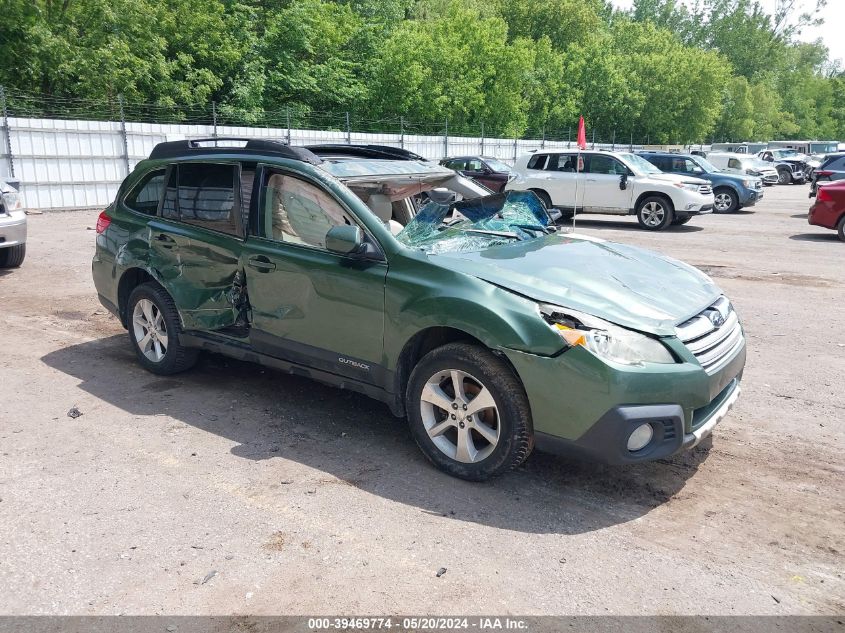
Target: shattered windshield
{"x": 640, "y": 164}
{"x": 477, "y": 223}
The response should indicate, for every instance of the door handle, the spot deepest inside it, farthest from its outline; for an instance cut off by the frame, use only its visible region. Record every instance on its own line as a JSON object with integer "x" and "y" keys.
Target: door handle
{"x": 165, "y": 240}
{"x": 261, "y": 263}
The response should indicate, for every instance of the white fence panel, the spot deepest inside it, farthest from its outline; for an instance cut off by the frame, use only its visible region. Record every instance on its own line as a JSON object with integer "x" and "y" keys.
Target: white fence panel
{"x": 70, "y": 164}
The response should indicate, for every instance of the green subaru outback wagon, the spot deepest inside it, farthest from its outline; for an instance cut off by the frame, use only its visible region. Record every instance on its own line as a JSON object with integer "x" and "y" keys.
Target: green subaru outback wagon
{"x": 470, "y": 313}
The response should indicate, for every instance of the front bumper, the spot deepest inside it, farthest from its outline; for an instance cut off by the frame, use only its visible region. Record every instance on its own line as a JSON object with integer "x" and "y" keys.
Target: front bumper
{"x": 750, "y": 197}
{"x": 584, "y": 407}
{"x": 12, "y": 229}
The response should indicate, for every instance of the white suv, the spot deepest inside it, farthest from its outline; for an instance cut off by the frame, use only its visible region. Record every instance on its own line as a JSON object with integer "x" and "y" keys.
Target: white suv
{"x": 618, "y": 183}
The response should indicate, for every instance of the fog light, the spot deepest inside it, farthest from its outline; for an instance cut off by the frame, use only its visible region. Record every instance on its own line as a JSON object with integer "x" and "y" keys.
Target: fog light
{"x": 640, "y": 438}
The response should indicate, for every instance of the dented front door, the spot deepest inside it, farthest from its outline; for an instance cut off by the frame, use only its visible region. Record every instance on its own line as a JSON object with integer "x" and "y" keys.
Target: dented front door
{"x": 198, "y": 265}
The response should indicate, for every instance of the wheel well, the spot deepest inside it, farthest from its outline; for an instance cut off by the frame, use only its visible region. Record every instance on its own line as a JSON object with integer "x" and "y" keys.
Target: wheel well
{"x": 421, "y": 344}
{"x": 131, "y": 279}
{"x": 541, "y": 193}
{"x": 726, "y": 187}
{"x": 655, "y": 194}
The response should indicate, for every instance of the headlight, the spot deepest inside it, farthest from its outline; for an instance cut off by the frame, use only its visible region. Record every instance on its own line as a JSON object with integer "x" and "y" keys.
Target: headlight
{"x": 603, "y": 339}
{"x": 11, "y": 200}
{"x": 752, "y": 172}
{"x": 687, "y": 186}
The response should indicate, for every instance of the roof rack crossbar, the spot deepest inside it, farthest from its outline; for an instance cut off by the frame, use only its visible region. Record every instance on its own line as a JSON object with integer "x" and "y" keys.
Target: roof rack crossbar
{"x": 187, "y": 147}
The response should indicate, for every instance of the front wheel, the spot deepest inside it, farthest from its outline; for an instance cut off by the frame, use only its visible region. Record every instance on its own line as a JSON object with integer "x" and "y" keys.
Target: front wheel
{"x": 840, "y": 229}
{"x": 12, "y": 256}
{"x": 655, "y": 213}
{"x": 784, "y": 176}
{"x": 544, "y": 197}
{"x": 725, "y": 201}
{"x": 154, "y": 329}
{"x": 468, "y": 412}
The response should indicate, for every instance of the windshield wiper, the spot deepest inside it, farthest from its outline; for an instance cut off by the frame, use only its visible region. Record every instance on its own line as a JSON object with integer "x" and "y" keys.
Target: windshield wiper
{"x": 494, "y": 233}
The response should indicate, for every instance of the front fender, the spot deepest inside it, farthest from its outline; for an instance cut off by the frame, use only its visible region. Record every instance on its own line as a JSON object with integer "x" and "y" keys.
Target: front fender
{"x": 420, "y": 295}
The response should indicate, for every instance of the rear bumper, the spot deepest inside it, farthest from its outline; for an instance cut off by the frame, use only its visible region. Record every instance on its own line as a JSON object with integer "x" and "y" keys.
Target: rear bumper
{"x": 824, "y": 214}
{"x": 12, "y": 229}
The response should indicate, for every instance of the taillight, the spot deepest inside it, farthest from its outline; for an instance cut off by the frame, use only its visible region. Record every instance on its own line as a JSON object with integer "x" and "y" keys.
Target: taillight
{"x": 103, "y": 222}
{"x": 823, "y": 195}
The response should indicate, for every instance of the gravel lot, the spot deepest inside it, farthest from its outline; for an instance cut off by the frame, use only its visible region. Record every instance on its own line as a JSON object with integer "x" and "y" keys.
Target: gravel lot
{"x": 303, "y": 499}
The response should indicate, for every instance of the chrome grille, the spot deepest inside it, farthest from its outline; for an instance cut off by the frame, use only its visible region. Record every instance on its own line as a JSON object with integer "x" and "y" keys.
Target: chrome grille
{"x": 705, "y": 190}
{"x": 713, "y": 336}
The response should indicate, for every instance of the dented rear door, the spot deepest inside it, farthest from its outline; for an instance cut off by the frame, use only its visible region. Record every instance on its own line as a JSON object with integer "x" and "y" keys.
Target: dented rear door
{"x": 196, "y": 242}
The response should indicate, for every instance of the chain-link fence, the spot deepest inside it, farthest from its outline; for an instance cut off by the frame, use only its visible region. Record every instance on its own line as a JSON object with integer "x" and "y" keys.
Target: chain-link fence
{"x": 70, "y": 153}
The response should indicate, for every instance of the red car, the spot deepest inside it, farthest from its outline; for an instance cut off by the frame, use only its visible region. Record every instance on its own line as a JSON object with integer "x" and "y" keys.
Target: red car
{"x": 829, "y": 208}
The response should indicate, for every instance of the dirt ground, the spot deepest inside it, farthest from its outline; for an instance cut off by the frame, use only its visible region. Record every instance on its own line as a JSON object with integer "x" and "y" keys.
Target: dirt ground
{"x": 235, "y": 489}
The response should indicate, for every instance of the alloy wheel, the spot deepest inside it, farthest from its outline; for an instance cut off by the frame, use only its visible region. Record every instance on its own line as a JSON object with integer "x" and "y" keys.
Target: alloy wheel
{"x": 722, "y": 202}
{"x": 150, "y": 330}
{"x": 460, "y": 416}
{"x": 653, "y": 214}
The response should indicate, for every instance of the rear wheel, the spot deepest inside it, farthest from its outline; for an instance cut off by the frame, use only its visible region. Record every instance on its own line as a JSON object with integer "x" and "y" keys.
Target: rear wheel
{"x": 655, "y": 213}
{"x": 468, "y": 412}
{"x": 725, "y": 200}
{"x": 13, "y": 256}
{"x": 154, "y": 329}
{"x": 840, "y": 228}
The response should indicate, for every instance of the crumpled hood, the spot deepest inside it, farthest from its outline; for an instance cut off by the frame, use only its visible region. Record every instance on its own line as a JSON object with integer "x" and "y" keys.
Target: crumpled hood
{"x": 626, "y": 285}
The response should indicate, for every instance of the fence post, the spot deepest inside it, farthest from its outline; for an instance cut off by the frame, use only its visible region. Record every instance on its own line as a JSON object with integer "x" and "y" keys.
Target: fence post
{"x": 6, "y": 132}
{"x": 348, "y": 131}
{"x": 123, "y": 133}
{"x": 631, "y": 146}
{"x": 446, "y": 140}
{"x": 514, "y": 150}
{"x": 482, "y": 138}
{"x": 613, "y": 142}
{"x": 543, "y": 142}
{"x": 287, "y": 114}
{"x": 214, "y": 116}
{"x": 402, "y": 132}
{"x": 568, "y": 137}
{"x": 594, "y": 138}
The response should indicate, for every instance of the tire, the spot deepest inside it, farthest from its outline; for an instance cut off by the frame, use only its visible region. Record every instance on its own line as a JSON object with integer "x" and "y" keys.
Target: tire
{"x": 162, "y": 353}
{"x": 681, "y": 218}
{"x": 725, "y": 200}
{"x": 13, "y": 256}
{"x": 544, "y": 197}
{"x": 655, "y": 213}
{"x": 784, "y": 177}
{"x": 840, "y": 228}
{"x": 499, "y": 442}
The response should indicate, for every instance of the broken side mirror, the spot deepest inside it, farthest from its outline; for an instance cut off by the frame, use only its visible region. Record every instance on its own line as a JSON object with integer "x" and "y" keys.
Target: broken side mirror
{"x": 345, "y": 240}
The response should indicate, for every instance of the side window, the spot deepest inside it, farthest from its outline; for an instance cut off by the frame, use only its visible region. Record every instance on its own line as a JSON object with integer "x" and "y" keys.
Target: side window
{"x": 562, "y": 162}
{"x": 146, "y": 195}
{"x": 538, "y": 161}
{"x": 690, "y": 166}
{"x": 601, "y": 164}
{"x": 298, "y": 212}
{"x": 733, "y": 163}
{"x": 457, "y": 165}
{"x": 837, "y": 163}
{"x": 169, "y": 209}
{"x": 207, "y": 196}
{"x": 473, "y": 165}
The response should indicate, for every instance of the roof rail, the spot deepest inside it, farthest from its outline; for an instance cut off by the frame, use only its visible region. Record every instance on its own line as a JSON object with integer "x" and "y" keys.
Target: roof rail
{"x": 186, "y": 147}
{"x": 364, "y": 151}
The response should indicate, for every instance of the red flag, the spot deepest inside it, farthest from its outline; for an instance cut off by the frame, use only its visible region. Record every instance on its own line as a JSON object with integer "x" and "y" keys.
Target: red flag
{"x": 582, "y": 134}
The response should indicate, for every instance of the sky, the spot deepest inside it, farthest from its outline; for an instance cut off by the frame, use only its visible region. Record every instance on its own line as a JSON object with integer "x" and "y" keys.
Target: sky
{"x": 831, "y": 36}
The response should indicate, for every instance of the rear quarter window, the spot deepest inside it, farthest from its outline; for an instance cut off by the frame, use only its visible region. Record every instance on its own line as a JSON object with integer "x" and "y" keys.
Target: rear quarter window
{"x": 145, "y": 196}
{"x": 538, "y": 161}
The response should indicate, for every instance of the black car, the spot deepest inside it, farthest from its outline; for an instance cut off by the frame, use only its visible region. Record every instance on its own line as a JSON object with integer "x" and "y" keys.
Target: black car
{"x": 832, "y": 168}
{"x": 490, "y": 172}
